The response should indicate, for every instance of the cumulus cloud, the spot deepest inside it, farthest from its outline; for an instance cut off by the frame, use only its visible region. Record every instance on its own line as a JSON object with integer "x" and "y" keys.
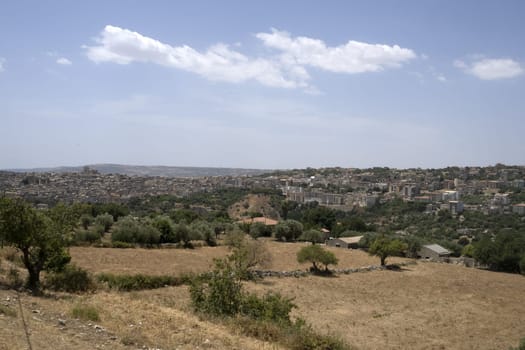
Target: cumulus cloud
{"x": 2, "y": 61}
{"x": 352, "y": 57}
{"x": 491, "y": 69}
{"x": 285, "y": 66}
{"x": 219, "y": 62}
{"x": 64, "y": 61}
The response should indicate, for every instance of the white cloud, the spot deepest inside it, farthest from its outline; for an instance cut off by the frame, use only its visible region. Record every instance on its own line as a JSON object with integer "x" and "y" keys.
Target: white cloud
{"x": 287, "y": 69}
{"x": 441, "y": 78}
{"x": 64, "y": 61}
{"x": 2, "y": 61}
{"x": 219, "y": 62}
{"x": 491, "y": 69}
{"x": 352, "y": 57}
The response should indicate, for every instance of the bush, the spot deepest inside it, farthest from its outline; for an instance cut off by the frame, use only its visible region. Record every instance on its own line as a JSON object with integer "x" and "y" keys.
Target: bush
{"x": 234, "y": 238}
{"x": 85, "y": 312}
{"x": 271, "y": 307}
{"x": 250, "y": 254}
{"x": 217, "y": 293}
{"x": 295, "y": 336}
{"x": 71, "y": 279}
{"x": 85, "y": 236}
{"x": 139, "y": 282}
{"x": 220, "y": 293}
{"x": 313, "y": 236}
{"x": 258, "y": 229}
{"x": 122, "y": 245}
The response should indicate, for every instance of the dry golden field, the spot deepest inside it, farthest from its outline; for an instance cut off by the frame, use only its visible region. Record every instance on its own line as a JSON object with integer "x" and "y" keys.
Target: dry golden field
{"x": 423, "y": 306}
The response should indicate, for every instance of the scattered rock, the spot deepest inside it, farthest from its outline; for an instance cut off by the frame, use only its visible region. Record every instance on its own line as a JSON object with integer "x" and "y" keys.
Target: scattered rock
{"x": 61, "y": 322}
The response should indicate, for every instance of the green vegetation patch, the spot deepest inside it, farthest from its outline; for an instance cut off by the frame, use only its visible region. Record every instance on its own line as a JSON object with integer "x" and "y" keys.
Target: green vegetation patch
{"x": 140, "y": 281}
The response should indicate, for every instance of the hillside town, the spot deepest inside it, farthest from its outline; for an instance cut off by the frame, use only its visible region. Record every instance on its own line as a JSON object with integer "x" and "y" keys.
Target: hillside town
{"x": 491, "y": 190}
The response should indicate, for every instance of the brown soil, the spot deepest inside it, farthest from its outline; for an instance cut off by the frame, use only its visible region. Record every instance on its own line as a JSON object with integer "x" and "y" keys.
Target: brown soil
{"x": 253, "y": 203}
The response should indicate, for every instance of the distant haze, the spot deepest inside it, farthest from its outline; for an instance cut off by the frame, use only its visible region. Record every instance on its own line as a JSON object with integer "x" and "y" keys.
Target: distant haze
{"x": 167, "y": 171}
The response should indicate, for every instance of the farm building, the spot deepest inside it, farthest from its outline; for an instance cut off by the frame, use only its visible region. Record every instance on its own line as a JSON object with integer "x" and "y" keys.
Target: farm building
{"x": 344, "y": 242}
{"x": 433, "y": 251}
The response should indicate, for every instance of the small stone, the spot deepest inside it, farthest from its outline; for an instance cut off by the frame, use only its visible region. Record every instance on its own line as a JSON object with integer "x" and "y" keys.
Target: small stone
{"x": 61, "y": 322}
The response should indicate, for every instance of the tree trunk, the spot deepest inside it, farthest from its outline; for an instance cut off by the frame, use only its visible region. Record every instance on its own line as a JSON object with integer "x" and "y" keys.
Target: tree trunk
{"x": 33, "y": 280}
{"x": 383, "y": 260}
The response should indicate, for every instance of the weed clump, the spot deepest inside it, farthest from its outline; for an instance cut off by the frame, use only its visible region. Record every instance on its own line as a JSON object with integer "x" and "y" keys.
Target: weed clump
{"x": 85, "y": 312}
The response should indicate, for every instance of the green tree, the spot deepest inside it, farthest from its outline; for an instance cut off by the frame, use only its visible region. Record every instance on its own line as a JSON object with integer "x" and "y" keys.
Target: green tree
{"x": 86, "y": 220}
{"x": 316, "y": 255}
{"x": 203, "y": 230}
{"x": 313, "y": 236}
{"x": 383, "y": 247}
{"x": 183, "y": 235}
{"x": 468, "y": 251}
{"x": 288, "y": 230}
{"x": 258, "y": 229}
{"x": 165, "y": 225}
{"x": 105, "y": 220}
{"x": 37, "y": 235}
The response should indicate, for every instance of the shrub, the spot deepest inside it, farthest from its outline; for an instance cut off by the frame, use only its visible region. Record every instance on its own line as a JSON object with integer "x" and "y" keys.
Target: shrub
{"x": 85, "y": 312}
{"x": 71, "y": 279}
{"x": 122, "y": 245}
{"x": 234, "y": 238}
{"x": 258, "y": 229}
{"x": 139, "y": 281}
{"x": 250, "y": 254}
{"x": 85, "y": 236}
{"x": 218, "y": 293}
{"x": 313, "y": 236}
{"x": 271, "y": 307}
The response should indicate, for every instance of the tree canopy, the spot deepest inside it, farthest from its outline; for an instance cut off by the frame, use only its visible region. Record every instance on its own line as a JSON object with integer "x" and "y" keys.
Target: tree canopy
{"x": 38, "y": 235}
{"x": 315, "y": 254}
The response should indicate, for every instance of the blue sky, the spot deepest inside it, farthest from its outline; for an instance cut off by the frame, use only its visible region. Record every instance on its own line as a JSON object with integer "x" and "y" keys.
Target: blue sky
{"x": 262, "y": 84}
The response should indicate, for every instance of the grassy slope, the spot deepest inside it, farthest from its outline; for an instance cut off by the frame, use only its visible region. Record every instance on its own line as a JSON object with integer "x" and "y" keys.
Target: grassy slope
{"x": 425, "y": 306}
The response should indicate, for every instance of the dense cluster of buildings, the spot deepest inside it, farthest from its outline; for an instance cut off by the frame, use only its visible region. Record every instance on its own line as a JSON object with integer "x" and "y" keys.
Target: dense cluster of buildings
{"x": 334, "y": 187}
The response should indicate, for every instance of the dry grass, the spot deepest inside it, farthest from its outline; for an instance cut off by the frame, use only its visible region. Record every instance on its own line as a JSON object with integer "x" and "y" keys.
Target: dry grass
{"x": 179, "y": 261}
{"x": 424, "y": 306}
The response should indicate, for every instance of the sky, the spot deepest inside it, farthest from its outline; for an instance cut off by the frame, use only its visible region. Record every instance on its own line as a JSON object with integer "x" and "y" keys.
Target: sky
{"x": 262, "y": 84}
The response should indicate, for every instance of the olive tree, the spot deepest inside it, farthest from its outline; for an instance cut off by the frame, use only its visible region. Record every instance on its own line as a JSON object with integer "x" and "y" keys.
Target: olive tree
{"x": 38, "y": 235}
{"x": 316, "y": 255}
{"x": 383, "y": 247}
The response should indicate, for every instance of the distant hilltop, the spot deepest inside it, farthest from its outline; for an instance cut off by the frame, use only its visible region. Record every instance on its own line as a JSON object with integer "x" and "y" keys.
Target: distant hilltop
{"x": 144, "y": 170}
